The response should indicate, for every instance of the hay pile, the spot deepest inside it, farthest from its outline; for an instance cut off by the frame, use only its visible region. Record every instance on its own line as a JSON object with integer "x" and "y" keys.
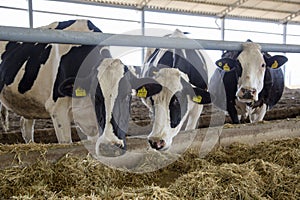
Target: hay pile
{"x": 269, "y": 170}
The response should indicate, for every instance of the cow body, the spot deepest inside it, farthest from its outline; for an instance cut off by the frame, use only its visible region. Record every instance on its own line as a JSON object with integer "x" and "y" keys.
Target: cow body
{"x": 66, "y": 83}
{"x": 247, "y": 83}
{"x": 183, "y": 76}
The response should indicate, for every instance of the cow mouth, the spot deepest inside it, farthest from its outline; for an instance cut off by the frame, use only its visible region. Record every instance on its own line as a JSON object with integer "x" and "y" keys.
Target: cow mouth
{"x": 245, "y": 100}
{"x": 159, "y": 145}
{"x": 111, "y": 150}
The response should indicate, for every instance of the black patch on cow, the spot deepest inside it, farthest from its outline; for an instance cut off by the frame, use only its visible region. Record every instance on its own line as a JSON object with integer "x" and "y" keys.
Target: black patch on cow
{"x": 121, "y": 111}
{"x": 273, "y": 88}
{"x": 167, "y": 60}
{"x": 79, "y": 63}
{"x": 224, "y": 84}
{"x": 15, "y": 56}
{"x": 177, "y": 108}
{"x": 64, "y": 24}
{"x": 83, "y": 58}
{"x": 92, "y": 27}
{"x": 153, "y": 56}
{"x": 39, "y": 55}
{"x": 193, "y": 66}
{"x": 99, "y": 105}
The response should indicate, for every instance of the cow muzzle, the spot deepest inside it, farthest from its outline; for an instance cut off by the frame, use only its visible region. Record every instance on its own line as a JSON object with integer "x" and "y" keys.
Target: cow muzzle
{"x": 246, "y": 95}
{"x": 157, "y": 143}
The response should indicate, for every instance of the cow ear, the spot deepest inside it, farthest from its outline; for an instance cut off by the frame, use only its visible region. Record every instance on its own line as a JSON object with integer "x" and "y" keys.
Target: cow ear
{"x": 201, "y": 96}
{"x": 226, "y": 64}
{"x": 147, "y": 87}
{"x": 198, "y": 95}
{"x": 66, "y": 88}
{"x": 276, "y": 61}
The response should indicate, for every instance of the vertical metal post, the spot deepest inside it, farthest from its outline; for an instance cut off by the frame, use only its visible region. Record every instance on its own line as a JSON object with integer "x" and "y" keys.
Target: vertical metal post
{"x": 223, "y": 28}
{"x": 143, "y": 32}
{"x": 284, "y": 42}
{"x": 30, "y": 13}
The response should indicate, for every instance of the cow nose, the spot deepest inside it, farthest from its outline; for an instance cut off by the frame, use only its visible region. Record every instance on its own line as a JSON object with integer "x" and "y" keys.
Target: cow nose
{"x": 248, "y": 93}
{"x": 156, "y": 143}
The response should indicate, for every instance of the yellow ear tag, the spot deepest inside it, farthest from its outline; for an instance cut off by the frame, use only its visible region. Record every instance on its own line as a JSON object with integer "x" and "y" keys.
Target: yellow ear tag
{"x": 274, "y": 65}
{"x": 226, "y": 67}
{"x": 80, "y": 92}
{"x": 197, "y": 99}
{"x": 142, "y": 92}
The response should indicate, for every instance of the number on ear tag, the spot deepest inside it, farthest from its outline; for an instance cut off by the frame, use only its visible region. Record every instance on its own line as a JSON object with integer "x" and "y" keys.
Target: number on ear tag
{"x": 80, "y": 92}
{"x": 142, "y": 92}
{"x": 197, "y": 99}
{"x": 274, "y": 65}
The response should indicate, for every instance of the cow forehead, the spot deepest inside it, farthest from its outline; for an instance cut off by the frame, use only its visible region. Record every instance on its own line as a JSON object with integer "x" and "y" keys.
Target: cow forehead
{"x": 251, "y": 55}
{"x": 170, "y": 78}
{"x": 110, "y": 73}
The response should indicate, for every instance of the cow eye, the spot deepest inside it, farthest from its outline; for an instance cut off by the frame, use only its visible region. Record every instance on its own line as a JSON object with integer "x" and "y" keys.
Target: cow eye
{"x": 263, "y": 65}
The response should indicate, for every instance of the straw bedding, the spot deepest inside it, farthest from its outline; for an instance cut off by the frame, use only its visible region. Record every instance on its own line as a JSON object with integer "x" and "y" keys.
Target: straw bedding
{"x": 269, "y": 170}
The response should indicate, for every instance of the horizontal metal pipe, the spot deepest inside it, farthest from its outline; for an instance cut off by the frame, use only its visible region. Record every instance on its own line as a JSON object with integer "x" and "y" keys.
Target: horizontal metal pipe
{"x": 8, "y": 33}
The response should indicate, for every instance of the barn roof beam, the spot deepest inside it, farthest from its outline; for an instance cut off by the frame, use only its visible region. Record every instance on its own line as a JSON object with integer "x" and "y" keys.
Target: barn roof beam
{"x": 231, "y": 7}
{"x": 143, "y": 4}
{"x": 91, "y": 38}
{"x": 290, "y": 17}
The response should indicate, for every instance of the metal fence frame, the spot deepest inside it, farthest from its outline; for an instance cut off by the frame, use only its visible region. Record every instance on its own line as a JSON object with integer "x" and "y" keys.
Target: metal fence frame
{"x": 91, "y": 38}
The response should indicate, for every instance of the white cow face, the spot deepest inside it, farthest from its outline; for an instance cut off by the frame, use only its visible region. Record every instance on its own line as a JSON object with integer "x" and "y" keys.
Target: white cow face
{"x": 253, "y": 70}
{"x": 171, "y": 106}
{"x": 250, "y": 68}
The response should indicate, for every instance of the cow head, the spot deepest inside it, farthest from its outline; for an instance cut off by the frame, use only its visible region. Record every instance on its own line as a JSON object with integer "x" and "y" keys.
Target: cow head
{"x": 250, "y": 66}
{"x": 170, "y": 107}
{"x": 183, "y": 76}
{"x": 109, "y": 88}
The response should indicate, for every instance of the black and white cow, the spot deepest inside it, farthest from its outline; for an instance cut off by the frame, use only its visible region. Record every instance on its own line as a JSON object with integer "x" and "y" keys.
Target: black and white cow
{"x": 69, "y": 82}
{"x": 247, "y": 83}
{"x": 183, "y": 76}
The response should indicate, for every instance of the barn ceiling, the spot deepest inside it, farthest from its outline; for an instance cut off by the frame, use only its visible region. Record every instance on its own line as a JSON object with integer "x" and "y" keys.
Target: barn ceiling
{"x": 281, "y": 11}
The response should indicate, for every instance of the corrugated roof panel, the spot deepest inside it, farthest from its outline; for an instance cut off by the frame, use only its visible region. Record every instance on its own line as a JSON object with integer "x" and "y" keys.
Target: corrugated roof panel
{"x": 275, "y": 15}
{"x": 119, "y": 2}
{"x": 186, "y": 6}
{"x": 208, "y": 8}
{"x": 158, "y": 3}
{"x": 296, "y": 19}
{"x": 221, "y": 2}
{"x": 251, "y": 3}
{"x": 257, "y": 9}
{"x": 244, "y": 12}
{"x": 289, "y": 7}
{"x": 181, "y": 5}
